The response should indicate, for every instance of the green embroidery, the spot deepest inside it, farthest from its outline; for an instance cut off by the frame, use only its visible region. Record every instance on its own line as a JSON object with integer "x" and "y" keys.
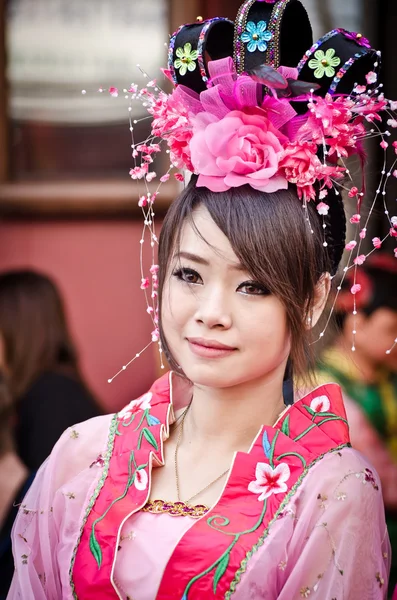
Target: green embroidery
{"x": 150, "y": 438}
{"x": 222, "y": 562}
{"x": 285, "y": 426}
{"x": 94, "y": 546}
{"x": 108, "y": 455}
{"x": 261, "y": 541}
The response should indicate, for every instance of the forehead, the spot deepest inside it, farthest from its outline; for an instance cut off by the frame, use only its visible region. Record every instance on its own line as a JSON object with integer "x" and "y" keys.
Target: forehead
{"x": 200, "y": 235}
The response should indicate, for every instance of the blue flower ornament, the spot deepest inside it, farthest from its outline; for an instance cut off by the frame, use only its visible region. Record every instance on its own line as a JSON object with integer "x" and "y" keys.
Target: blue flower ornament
{"x": 256, "y": 36}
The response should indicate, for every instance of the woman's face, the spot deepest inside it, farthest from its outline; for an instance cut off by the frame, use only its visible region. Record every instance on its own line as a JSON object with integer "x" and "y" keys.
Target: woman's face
{"x": 223, "y": 328}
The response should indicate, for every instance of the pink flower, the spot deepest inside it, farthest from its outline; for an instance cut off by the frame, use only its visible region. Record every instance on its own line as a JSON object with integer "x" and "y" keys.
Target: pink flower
{"x": 113, "y": 91}
{"x": 360, "y": 89}
{"x": 395, "y": 147}
{"x": 392, "y": 123}
{"x": 269, "y": 481}
{"x": 322, "y": 208}
{"x": 376, "y": 242}
{"x": 355, "y": 289}
{"x": 384, "y": 144}
{"x": 323, "y": 194}
{"x": 363, "y": 233}
{"x": 320, "y": 404}
{"x": 133, "y": 88}
{"x": 155, "y": 335}
{"x": 351, "y": 245}
{"x": 360, "y": 260}
{"x": 239, "y": 149}
{"x": 395, "y": 252}
{"x": 395, "y": 173}
{"x": 179, "y": 177}
{"x": 393, "y": 232}
{"x": 165, "y": 178}
{"x": 154, "y": 269}
{"x": 150, "y": 176}
{"x": 355, "y": 219}
{"x": 142, "y": 201}
{"x": 143, "y": 403}
{"x": 371, "y": 77}
{"x": 144, "y": 283}
{"x": 141, "y": 479}
{"x": 353, "y": 192}
{"x": 300, "y": 165}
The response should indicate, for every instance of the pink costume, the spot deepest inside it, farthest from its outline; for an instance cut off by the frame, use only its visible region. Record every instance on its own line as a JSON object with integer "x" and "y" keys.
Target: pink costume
{"x": 301, "y": 514}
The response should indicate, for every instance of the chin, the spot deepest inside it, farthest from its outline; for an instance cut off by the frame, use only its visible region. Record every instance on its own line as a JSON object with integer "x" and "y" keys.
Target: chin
{"x": 212, "y": 376}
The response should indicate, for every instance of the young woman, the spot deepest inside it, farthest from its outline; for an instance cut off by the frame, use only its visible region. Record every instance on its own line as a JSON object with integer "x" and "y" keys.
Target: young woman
{"x": 40, "y": 360}
{"x": 209, "y": 486}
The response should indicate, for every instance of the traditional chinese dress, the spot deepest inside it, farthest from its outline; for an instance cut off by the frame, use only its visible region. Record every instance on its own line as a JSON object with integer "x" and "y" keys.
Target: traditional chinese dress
{"x": 300, "y": 516}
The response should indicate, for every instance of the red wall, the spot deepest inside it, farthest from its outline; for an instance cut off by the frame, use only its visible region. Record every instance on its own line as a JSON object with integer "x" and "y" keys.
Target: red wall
{"x": 96, "y": 265}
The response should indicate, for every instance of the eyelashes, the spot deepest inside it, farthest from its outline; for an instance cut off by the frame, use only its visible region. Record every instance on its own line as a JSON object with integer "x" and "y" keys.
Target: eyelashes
{"x": 248, "y": 288}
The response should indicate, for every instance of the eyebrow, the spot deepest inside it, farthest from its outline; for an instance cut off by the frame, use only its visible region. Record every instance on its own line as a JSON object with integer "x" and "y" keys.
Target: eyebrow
{"x": 202, "y": 261}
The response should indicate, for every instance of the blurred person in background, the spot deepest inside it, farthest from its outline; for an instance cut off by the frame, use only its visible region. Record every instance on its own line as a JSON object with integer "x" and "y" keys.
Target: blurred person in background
{"x": 40, "y": 361}
{"x": 15, "y": 480}
{"x": 368, "y": 377}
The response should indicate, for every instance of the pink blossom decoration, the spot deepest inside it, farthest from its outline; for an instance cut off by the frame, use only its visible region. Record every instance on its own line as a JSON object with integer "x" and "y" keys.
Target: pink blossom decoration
{"x": 360, "y": 89}
{"x": 143, "y": 403}
{"x": 395, "y": 252}
{"x": 395, "y": 147}
{"x": 269, "y": 481}
{"x": 355, "y": 219}
{"x": 360, "y": 260}
{"x": 151, "y": 176}
{"x": 320, "y": 404}
{"x": 142, "y": 201}
{"x": 179, "y": 177}
{"x": 141, "y": 479}
{"x": 371, "y": 77}
{"x": 363, "y": 233}
{"x": 323, "y": 194}
{"x": 376, "y": 242}
{"x": 113, "y": 91}
{"x": 392, "y": 123}
{"x": 357, "y": 37}
{"x": 353, "y": 192}
{"x": 394, "y": 221}
{"x": 133, "y": 88}
{"x": 395, "y": 173}
{"x": 301, "y": 166}
{"x": 144, "y": 283}
{"x": 384, "y": 144}
{"x": 355, "y": 289}
{"x": 155, "y": 335}
{"x": 322, "y": 208}
{"x": 351, "y": 245}
{"x": 165, "y": 178}
{"x": 393, "y": 104}
{"x": 154, "y": 269}
{"x": 393, "y": 232}
{"x": 237, "y": 150}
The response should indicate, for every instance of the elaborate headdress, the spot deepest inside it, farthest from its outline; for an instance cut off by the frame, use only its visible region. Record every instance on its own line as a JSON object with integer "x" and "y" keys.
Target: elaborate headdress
{"x": 256, "y": 102}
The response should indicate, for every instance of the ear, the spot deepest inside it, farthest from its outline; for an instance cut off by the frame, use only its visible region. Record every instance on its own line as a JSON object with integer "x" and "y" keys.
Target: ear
{"x": 321, "y": 296}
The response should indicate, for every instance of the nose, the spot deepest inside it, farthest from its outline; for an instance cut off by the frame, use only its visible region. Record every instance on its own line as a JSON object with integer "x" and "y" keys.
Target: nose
{"x": 213, "y": 310}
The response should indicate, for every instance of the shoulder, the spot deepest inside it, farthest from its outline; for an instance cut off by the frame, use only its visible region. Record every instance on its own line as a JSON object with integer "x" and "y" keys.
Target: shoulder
{"x": 347, "y": 481}
{"x": 80, "y": 447}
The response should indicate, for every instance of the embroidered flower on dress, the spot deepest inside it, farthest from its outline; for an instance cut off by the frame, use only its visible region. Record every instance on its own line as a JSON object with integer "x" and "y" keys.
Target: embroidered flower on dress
{"x": 256, "y": 36}
{"x": 141, "y": 479}
{"x": 269, "y": 481}
{"x": 369, "y": 478}
{"x": 324, "y": 63}
{"x": 305, "y": 592}
{"x": 186, "y": 59}
{"x": 320, "y": 404}
{"x": 133, "y": 407}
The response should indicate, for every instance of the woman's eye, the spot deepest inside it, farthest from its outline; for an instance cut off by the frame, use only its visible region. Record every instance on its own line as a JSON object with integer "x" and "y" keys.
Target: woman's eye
{"x": 253, "y": 289}
{"x": 187, "y": 275}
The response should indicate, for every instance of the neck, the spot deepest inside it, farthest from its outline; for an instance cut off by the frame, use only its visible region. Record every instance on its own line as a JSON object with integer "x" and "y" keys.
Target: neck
{"x": 12, "y": 475}
{"x": 230, "y": 418}
{"x": 357, "y": 362}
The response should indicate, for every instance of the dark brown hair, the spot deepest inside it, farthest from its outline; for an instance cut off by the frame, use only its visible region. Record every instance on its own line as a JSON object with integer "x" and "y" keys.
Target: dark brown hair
{"x": 34, "y": 329}
{"x": 273, "y": 240}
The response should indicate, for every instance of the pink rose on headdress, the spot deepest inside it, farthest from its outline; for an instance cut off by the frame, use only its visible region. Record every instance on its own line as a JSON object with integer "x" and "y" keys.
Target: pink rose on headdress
{"x": 301, "y": 165}
{"x": 239, "y": 149}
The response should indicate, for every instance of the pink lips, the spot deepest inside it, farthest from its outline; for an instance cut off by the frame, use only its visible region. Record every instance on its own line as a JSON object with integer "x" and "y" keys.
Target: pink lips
{"x": 209, "y": 348}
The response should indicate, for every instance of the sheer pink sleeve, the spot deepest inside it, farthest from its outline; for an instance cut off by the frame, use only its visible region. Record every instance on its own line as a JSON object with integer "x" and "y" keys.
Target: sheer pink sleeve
{"x": 340, "y": 546}
{"x": 365, "y": 438}
{"x": 48, "y": 523}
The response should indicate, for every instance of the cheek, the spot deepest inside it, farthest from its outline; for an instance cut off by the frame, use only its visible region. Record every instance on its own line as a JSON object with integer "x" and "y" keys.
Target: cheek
{"x": 177, "y": 308}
